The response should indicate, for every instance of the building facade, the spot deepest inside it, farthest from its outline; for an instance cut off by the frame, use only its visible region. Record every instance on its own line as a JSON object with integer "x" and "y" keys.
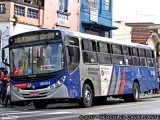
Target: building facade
{"x": 17, "y": 16}
{"x": 140, "y": 32}
{"x": 123, "y": 32}
{"x": 96, "y": 17}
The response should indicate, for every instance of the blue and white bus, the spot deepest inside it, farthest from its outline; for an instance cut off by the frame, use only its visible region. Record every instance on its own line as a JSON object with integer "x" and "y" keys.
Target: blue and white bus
{"x": 49, "y": 65}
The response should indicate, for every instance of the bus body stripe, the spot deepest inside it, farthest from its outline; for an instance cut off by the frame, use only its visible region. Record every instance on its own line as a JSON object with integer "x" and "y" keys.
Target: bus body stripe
{"x": 113, "y": 82}
{"x": 118, "y": 83}
{"x": 123, "y": 82}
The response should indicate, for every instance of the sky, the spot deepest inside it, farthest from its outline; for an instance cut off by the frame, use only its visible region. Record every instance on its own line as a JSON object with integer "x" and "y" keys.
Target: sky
{"x": 137, "y": 10}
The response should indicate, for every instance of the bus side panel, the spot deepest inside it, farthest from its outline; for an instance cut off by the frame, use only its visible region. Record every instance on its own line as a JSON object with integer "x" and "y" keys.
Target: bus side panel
{"x": 73, "y": 84}
{"x": 132, "y": 73}
{"x": 91, "y": 73}
{"x": 116, "y": 80}
{"x": 152, "y": 78}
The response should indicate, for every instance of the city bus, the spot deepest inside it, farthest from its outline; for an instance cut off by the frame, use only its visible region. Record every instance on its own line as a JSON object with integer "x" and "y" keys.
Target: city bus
{"x": 52, "y": 65}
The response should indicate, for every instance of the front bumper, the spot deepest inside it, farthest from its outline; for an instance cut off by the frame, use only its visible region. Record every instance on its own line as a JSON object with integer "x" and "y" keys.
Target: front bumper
{"x": 45, "y": 93}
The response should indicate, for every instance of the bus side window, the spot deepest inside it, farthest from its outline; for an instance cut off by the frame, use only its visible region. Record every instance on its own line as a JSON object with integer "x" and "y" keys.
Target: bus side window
{"x": 127, "y": 55}
{"x": 150, "y": 58}
{"x": 135, "y": 57}
{"x": 72, "y": 53}
{"x": 142, "y": 55}
{"x": 117, "y": 56}
{"x": 104, "y": 56}
{"x": 89, "y": 51}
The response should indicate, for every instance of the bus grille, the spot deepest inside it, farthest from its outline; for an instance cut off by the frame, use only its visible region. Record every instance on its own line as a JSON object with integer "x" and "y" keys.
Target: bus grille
{"x": 34, "y": 88}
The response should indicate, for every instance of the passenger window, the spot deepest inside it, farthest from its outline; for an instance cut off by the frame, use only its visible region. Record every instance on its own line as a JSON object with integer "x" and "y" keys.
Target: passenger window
{"x": 142, "y": 52}
{"x": 73, "y": 57}
{"x": 126, "y": 50}
{"x": 117, "y": 57}
{"x": 103, "y": 47}
{"x": 127, "y": 55}
{"x": 104, "y": 56}
{"x": 72, "y": 53}
{"x": 71, "y": 41}
{"x": 89, "y": 45}
{"x": 117, "y": 49}
{"x": 136, "y": 61}
{"x": 89, "y": 51}
{"x": 150, "y": 58}
{"x": 150, "y": 54}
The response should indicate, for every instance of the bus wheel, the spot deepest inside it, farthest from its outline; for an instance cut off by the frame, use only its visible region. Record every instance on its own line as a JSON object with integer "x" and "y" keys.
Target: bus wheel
{"x": 87, "y": 96}
{"x": 40, "y": 104}
{"x": 136, "y": 92}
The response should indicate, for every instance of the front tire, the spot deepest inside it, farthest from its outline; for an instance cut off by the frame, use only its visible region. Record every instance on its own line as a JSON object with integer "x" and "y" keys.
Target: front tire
{"x": 87, "y": 96}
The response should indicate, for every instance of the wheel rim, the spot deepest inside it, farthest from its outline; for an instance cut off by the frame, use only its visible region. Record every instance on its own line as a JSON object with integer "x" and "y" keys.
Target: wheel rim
{"x": 87, "y": 96}
{"x": 136, "y": 92}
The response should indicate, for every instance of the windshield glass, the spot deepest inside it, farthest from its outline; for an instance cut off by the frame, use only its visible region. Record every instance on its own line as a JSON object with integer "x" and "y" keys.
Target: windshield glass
{"x": 37, "y": 59}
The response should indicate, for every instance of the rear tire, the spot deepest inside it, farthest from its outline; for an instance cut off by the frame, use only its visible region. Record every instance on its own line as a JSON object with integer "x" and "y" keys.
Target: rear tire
{"x": 136, "y": 92}
{"x": 40, "y": 104}
{"x": 87, "y": 96}
{"x": 134, "y": 97}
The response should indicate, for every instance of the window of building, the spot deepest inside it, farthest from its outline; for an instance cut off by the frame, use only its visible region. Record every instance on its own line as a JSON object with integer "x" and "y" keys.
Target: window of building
{"x": 107, "y": 4}
{"x": 93, "y": 3}
{"x": 19, "y": 10}
{"x": 27, "y": 1}
{"x": 63, "y": 6}
{"x": 32, "y": 13}
{"x": 2, "y": 8}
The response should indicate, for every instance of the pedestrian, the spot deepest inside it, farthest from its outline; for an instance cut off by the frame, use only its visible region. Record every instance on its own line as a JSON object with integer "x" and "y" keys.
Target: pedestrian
{"x": 4, "y": 90}
{"x": 0, "y": 90}
{"x": 8, "y": 95}
{"x": 1, "y": 76}
{"x": 4, "y": 85}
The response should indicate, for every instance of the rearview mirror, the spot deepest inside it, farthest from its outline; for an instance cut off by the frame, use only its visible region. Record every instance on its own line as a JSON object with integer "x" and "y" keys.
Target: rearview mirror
{"x": 4, "y": 60}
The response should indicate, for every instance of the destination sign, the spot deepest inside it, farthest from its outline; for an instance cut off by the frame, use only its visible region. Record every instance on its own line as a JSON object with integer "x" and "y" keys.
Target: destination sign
{"x": 35, "y": 36}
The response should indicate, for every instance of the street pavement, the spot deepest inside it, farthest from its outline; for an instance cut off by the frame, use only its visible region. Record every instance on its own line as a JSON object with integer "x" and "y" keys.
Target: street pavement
{"x": 71, "y": 111}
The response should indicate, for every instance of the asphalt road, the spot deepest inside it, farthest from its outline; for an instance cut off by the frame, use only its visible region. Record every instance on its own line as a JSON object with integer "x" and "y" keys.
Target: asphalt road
{"x": 71, "y": 111}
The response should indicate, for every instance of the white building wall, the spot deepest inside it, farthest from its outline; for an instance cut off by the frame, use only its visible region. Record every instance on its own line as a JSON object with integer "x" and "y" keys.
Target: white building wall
{"x": 7, "y": 29}
{"x": 123, "y": 32}
{"x": 20, "y": 28}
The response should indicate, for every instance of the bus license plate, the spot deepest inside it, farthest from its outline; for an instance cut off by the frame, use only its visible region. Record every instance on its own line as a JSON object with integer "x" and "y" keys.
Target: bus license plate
{"x": 34, "y": 93}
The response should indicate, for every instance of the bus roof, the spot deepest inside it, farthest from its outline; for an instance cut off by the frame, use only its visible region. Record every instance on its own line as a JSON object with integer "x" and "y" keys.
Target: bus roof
{"x": 104, "y": 39}
{"x": 97, "y": 38}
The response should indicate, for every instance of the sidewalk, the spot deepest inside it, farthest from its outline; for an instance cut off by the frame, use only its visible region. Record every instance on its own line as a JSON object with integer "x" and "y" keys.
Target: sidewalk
{"x": 149, "y": 95}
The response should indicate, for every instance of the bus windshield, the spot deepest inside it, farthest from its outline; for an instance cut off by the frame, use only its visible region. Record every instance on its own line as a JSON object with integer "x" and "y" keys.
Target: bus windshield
{"x": 37, "y": 59}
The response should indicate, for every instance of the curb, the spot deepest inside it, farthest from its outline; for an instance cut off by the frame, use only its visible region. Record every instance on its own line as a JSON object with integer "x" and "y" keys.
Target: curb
{"x": 150, "y": 96}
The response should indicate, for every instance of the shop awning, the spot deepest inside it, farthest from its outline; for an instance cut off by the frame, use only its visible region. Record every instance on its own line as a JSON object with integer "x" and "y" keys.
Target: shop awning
{"x": 98, "y": 25}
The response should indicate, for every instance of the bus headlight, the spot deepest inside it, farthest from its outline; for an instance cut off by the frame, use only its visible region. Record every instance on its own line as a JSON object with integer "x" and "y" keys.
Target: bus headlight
{"x": 16, "y": 89}
{"x": 59, "y": 82}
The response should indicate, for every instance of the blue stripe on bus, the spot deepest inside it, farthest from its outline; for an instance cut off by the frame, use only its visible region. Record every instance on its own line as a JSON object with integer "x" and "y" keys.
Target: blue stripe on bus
{"x": 144, "y": 75}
